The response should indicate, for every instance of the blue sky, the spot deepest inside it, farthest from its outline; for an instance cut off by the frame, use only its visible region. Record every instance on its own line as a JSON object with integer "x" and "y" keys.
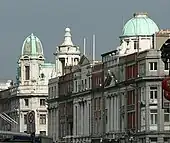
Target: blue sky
{"x": 48, "y": 19}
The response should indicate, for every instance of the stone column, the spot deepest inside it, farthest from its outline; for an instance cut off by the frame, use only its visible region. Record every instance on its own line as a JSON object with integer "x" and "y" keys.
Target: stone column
{"x": 111, "y": 114}
{"x": 79, "y": 120}
{"x": 115, "y": 115}
{"x": 86, "y": 119}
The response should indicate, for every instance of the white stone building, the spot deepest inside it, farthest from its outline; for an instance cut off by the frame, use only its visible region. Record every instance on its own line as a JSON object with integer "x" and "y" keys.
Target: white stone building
{"x": 31, "y": 90}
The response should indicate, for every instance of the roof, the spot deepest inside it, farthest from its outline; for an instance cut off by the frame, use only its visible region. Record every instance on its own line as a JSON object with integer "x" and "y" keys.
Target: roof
{"x": 140, "y": 25}
{"x": 32, "y": 46}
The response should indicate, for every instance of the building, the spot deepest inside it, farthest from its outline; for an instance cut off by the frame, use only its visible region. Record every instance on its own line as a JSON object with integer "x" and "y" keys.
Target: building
{"x": 97, "y": 103}
{"x": 67, "y": 55}
{"x": 82, "y": 96}
{"x": 31, "y": 89}
{"x": 133, "y": 90}
{"x": 118, "y": 100}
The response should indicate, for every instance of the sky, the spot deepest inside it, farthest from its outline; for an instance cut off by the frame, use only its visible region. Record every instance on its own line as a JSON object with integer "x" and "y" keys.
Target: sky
{"x": 47, "y": 19}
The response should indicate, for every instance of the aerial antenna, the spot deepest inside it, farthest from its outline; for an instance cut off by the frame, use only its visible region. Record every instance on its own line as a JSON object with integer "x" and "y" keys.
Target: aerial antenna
{"x": 84, "y": 46}
{"x": 94, "y": 46}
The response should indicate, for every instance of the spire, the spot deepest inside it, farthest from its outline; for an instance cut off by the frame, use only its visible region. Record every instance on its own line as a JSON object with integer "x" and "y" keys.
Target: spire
{"x": 67, "y": 38}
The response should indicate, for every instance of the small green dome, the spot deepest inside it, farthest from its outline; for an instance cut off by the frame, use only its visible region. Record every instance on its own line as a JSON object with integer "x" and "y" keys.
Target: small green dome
{"x": 140, "y": 25}
{"x": 32, "y": 46}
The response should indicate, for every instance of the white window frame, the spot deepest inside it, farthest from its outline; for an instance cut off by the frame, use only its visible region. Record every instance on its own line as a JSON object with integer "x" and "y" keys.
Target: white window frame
{"x": 153, "y": 66}
{"x": 167, "y": 114}
{"x": 153, "y": 92}
{"x": 153, "y": 117}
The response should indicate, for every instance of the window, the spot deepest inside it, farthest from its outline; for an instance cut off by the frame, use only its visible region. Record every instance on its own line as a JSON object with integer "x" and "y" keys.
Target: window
{"x": 43, "y": 133}
{"x": 85, "y": 82}
{"x": 82, "y": 84}
{"x": 42, "y": 102}
{"x": 42, "y": 118}
{"x": 106, "y": 119}
{"x": 27, "y": 72}
{"x": 25, "y": 119}
{"x": 153, "y": 66}
{"x": 89, "y": 82}
{"x": 26, "y": 102}
{"x": 76, "y": 85}
{"x": 131, "y": 120}
{"x": 166, "y": 116}
{"x": 153, "y": 93}
{"x": 166, "y": 66}
{"x": 136, "y": 44}
{"x": 153, "y": 117}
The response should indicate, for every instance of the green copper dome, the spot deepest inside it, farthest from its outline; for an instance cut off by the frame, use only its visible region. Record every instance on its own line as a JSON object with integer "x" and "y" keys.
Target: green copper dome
{"x": 32, "y": 46}
{"x": 140, "y": 25}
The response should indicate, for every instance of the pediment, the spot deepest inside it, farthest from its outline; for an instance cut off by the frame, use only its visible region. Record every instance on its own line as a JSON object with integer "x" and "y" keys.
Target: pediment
{"x": 110, "y": 79}
{"x": 84, "y": 61}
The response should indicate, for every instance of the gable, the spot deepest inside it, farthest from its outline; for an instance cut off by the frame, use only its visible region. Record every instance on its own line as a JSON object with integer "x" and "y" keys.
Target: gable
{"x": 84, "y": 61}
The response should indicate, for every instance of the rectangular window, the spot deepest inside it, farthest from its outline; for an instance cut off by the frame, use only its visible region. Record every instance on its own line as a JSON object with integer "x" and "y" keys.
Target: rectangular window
{"x": 42, "y": 119}
{"x": 153, "y": 92}
{"x": 85, "y": 82}
{"x": 42, "y": 102}
{"x": 131, "y": 97}
{"x": 166, "y": 66}
{"x": 25, "y": 119}
{"x": 131, "y": 120}
{"x": 26, "y": 102}
{"x": 76, "y": 85}
{"x": 153, "y": 66}
{"x": 136, "y": 44}
{"x": 153, "y": 117}
{"x": 89, "y": 82}
{"x": 166, "y": 116}
{"x": 27, "y": 72}
{"x": 82, "y": 84}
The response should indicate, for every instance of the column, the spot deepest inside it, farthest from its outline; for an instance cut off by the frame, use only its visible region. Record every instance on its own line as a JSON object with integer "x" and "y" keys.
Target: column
{"x": 79, "y": 120}
{"x": 111, "y": 114}
{"x": 117, "y": 122}
{"x": 82, "y": 119}
{"x": 49, "y": 122}
{"x": 57, "y": 123}
{"x": 87, "y": 113}
{"x": 115, "y": 114}
{"x": 113, "y": 111}
{"x": 107, "y": 107}
{"x": 86, "y": 118}
{"x": 74, "y": 119}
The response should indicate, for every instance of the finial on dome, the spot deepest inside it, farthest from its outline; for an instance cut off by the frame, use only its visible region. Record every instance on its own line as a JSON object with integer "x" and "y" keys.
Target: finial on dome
{"x": 67, "y": 38}
{"x": 67, "y": 29}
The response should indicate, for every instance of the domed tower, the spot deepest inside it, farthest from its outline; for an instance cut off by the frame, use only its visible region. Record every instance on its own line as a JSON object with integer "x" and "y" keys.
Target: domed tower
{"x": 137, "y": 34}
{"x": 30, "y": 59}
{"x": 67, "y": 54}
